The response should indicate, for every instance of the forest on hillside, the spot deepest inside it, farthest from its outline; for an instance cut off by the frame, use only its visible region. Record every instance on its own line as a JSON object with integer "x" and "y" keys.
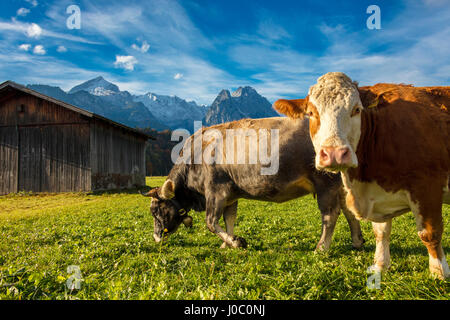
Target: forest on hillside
{"x": 157, "y": 155}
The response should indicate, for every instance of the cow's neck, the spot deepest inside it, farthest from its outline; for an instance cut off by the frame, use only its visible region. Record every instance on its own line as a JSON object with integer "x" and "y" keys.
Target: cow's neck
{"x": 189, "y": 199}
{"x": 376, "y": 189}
{"x": 352, "y": 196}
{"x": 376, "y": 151}
{"x": 365, "y": 148}
{"x": 365, "y": 179}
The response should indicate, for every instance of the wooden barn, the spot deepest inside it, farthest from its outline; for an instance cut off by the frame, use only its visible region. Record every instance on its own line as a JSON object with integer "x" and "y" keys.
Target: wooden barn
{"x": 47, "y": 145}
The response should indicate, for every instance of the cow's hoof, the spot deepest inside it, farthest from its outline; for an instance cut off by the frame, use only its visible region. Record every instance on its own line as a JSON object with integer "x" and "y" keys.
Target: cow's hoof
{"x": 321, "y": 247}
{"x": 358, "y": 244}
{"x": 239, "y": 242}
{"x": 439, "y": 271}
{"x": 224, "y": 245}
{"x": 377, "y": 268}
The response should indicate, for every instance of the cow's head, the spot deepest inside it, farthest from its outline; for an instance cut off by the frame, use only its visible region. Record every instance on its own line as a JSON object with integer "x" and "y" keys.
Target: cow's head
{"x": 167, "y": 213}
{"x": 334, "y": 109}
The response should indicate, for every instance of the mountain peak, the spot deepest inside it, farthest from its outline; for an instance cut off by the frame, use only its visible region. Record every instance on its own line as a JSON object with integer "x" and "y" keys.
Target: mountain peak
{"x": 172, "y": 110}
{"x": 244, "y": 91}
{"x": 97, "y": 86}
{"x": 225, "y": 93}
{"x": 245, "y": 102}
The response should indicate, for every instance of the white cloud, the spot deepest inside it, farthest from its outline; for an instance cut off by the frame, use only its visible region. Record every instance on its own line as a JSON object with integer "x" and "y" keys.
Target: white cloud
{"x": 34, "y": 3}
{"x": 41, "y": 69}
{"x": 33, "y": 30}
{"x": 39, "y": 49}
{"x": 125, "y": 62}
{"x": 61, "y": 49}
{"x": 143, "y": 48}
{"x": 269, "y": 30}
{"x": 415, "y": 53}
{"x": 205, "y": 79}
{"x": 266, "y": 57}
{"x": 25, "y": 47}
{"x": 174, "y": 40}
{"x": 164, "y": 22}
{"x": 23, "y": 12}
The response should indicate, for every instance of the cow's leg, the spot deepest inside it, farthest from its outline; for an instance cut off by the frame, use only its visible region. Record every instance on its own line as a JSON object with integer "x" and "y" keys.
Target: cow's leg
{"x": 382, "y": 231}
{"x": 430, "y": 231}
{"x": 355, "y": 226}
{"x": 330, "y": 209}
{"x": 214, "y": 211}
{"x": 229, "y": 216}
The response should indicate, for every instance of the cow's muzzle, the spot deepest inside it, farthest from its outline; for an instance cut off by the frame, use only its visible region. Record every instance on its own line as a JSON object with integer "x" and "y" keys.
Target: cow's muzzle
{"x": 160, "y": 237}
{"x": 157, "y": 238}
{"x": 335, "y": 158}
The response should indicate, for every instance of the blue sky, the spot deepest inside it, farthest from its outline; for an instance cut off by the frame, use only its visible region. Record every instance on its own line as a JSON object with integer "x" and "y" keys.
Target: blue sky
{"x": 195, "y": 48}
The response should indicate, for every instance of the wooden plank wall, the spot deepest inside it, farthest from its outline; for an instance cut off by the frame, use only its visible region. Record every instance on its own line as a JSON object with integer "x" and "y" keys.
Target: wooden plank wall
{"x": 35, "y": 111}
{"x": 8, "y": 160}
{"x": 54, "y": 145}
{"x": 54, "y": 158}
{"x": 117, "y": 157}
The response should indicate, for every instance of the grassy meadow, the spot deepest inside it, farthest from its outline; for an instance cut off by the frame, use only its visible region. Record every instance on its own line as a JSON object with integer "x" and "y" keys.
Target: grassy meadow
{"x": 109, "y": 237}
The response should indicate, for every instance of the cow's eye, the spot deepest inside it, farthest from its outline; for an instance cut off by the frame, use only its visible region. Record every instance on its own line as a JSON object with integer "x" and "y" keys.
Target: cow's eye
{"x": 356, "y": 110}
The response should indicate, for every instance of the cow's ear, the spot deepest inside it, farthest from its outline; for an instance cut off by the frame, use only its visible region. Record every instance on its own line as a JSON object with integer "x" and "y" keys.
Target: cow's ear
{"x": 370, "y": 99}
{"x": 153, "y": 193}
{"x": 167, "y": 190}
{"x": 295, "y": 108}
{"x": 187, "y": 221}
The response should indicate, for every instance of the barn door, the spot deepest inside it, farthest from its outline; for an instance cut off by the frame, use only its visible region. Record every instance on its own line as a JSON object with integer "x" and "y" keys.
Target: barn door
{"x": 54, "y": 158}
{"x": 30, "y": 159}
{"x": 8, "y": 159}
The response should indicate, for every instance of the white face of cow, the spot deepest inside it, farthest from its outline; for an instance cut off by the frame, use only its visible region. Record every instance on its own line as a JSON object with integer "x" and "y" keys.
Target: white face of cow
{"x": 338, "y": 108}
{"x": 334, "y": 108}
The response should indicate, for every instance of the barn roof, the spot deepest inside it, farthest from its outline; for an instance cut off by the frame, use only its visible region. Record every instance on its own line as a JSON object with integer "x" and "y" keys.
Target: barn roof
{"x": 4, "y": 87}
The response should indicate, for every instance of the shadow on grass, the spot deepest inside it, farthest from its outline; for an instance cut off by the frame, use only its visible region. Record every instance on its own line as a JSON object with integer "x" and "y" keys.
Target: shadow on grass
{"x": 135, "y": 190}
{"x": 253, "y": 246}
{"x": 335, "y": 250}
{"x": 418, "y": 249}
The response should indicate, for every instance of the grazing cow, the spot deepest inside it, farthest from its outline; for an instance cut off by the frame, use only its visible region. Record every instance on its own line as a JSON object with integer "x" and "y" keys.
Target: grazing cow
{"x": 391, "y": 144}
{"x": 216, "y": 188}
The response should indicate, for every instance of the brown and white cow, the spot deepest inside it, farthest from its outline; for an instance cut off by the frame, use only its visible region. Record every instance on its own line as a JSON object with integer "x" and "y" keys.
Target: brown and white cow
{"x": 391, "y": 144}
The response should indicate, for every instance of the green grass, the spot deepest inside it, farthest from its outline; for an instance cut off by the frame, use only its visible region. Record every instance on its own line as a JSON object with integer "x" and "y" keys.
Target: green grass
{"x": 109, "y": 236}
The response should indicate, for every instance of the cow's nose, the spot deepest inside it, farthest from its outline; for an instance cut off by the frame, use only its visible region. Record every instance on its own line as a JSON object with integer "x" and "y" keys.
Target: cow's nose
{"x": 343, "y": 156}
{"x": 332, "y": 156}
{"x": 326, "y": 156}
{"x": 157, "y": 238}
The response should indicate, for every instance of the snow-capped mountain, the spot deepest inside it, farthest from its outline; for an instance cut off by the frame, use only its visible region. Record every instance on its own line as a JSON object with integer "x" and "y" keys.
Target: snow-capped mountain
{"x": 160, "y": 111}
{"x": 172, "y": 110}
{"x": 97, "y": 86}
{"x": 104, "y": 98}
{"x": 245, "y": 102}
